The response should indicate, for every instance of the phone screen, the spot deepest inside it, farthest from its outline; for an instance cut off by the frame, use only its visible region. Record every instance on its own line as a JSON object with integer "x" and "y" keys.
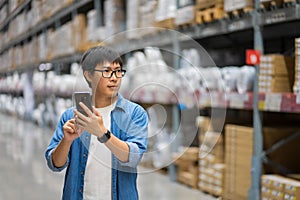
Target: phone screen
{"x": 85, "y": 98}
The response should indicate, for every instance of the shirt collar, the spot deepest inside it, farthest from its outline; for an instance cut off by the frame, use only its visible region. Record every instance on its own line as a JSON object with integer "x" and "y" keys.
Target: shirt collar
{"x": 121, "y": 102}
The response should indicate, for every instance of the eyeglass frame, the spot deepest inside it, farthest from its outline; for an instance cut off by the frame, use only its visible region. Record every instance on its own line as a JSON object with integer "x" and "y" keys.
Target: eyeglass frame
{"x": 123, "y": 71}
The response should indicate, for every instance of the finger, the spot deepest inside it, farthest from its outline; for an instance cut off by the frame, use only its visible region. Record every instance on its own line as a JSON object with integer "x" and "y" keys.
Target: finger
{"x": 96, "y": 112}
{"x": 69, "y": 129}
{"x": 86, "y": 109}
{"x": 79, "y": 115}
{"x": 71, "y": 121}
{"x": 72, "y": 125}
{"x": 81, "y": 122}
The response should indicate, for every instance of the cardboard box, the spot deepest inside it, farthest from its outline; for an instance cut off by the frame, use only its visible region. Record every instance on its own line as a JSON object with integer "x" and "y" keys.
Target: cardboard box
{"x": 204, "y": 4}
{"x": 277, "y": 64}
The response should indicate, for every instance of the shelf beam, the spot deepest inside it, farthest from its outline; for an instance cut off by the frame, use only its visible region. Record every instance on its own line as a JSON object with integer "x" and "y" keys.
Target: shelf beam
{"x": 2, "y": 3}
{"x": 13, "y": 14}
{"x": 45, "y": 24}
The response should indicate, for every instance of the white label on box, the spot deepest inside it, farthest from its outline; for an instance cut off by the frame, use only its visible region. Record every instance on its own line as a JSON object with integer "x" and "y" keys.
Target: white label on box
{"x": 238, "y": 100}
{"x": 298, "y": 99}
{"x": 273, "y": 102}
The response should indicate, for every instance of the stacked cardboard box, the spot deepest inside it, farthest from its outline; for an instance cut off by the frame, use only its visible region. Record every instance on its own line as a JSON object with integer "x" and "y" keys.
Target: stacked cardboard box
{"x": 296, "y": 87}
{"x": 279, "y": 187}
{"x": 211, "y": 158}
{"x": 276, "y": 73}
{"x": 238, "y": 154}
{"x": 187, "y": 167}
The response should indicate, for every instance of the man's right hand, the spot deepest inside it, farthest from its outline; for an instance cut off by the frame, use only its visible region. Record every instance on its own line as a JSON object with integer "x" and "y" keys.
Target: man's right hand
{"x": 70, "y": 131}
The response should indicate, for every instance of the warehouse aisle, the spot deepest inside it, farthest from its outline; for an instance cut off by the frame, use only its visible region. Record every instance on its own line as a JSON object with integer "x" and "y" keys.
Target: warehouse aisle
{"x": 24, "y": 174}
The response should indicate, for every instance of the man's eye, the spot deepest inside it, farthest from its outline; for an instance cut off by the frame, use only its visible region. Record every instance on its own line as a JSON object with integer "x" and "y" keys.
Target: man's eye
{"x": 118, "y": 70}
{"x": 106, "y": 70}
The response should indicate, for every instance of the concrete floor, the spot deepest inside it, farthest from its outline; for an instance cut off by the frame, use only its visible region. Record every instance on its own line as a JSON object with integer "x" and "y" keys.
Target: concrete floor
{"x": 24, "y": 174}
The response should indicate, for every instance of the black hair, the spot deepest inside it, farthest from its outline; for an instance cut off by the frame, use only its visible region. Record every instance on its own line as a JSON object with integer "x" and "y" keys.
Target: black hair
{"x": 98, "y": 55}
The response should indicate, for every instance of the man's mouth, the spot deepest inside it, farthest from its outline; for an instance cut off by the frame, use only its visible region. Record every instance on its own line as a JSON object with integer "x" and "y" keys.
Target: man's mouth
{"x": 112, "y": 86}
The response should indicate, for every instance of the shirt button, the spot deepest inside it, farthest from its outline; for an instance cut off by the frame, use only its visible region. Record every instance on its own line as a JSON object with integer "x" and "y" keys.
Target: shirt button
{"x": 84, "y": 155}
{"x": 86, "y": 137}
{"x": 81, "y": 173}
{"x": 80, "y": 190}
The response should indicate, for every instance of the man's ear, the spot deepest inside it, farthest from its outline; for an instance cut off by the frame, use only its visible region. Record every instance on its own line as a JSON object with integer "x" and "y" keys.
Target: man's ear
{"x": 88, "y": 76}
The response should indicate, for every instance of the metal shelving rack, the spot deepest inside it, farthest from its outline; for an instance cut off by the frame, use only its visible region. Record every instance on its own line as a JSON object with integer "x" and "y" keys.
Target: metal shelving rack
{"x": 254, "y": 191}
{"x": 254, "y": 21}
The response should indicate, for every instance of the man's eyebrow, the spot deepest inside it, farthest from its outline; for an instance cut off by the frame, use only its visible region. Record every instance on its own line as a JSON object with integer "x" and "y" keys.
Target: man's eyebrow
{"x": 108, "y": 67}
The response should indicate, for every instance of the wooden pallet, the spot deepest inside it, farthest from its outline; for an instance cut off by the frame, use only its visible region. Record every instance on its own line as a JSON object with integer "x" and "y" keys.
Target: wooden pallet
{"x": 210, "y": 192}
{"x": 271, "y": 4}
{"x": 205, "y": 4}
{"x": 239, "y": 12}
{"x": 289, "y": 1}
{"x": 209, "y": 15}
{"x": 166, "y": 23}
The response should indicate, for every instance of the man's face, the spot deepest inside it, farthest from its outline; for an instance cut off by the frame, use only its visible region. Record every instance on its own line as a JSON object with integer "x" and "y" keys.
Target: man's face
{"x": 104, "y": 83}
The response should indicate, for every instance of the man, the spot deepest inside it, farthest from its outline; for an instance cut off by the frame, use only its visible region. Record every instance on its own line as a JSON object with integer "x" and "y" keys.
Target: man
{"x": 101, "y": 151}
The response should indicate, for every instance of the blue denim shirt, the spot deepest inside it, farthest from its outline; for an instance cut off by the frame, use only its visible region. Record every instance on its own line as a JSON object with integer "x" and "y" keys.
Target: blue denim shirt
{"x": 129, "y": 122}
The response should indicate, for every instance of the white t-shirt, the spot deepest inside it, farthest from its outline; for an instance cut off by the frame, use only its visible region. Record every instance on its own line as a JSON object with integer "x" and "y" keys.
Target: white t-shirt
{"x": 97, "y": 179}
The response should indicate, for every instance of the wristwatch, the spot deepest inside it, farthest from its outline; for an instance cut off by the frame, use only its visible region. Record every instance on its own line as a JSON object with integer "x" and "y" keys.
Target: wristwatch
{"x": 104, "y": 138}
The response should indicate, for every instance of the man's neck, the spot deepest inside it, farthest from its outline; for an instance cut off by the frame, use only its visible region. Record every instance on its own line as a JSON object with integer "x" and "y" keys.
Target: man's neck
{"x": 102, "y": 102}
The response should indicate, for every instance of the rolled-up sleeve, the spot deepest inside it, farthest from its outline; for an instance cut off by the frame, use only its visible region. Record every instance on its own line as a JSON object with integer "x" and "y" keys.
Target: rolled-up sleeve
{"x": 56, "y": 138}
{"x": 137, "y": 137}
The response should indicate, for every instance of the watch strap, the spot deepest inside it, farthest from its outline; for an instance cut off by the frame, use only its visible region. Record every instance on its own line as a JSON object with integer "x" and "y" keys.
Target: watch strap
{"x": 105, "y": 137}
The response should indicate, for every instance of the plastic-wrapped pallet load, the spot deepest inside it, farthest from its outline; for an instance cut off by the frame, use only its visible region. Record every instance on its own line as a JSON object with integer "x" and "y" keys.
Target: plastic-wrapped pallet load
{"x": 245, "y": 79}
{"x": 232, "y": 5}
{"x": 3, "y": 13}
{"x": 94, "y": 32}
{"x": 114, "y": 15}
{"x": 147, "y": 17}
{"x": 42, "y": 47}
{"x": 150, "y": 77}
{"x": 18, "y": 55}
{"x": 187, "y": 164}
{"x": 166, "y": 13}
{"x": 132, "y": 18}
{"x": 185, "y": 13}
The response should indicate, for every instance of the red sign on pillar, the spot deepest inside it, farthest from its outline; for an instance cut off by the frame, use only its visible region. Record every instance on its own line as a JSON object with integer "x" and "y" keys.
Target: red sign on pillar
{"x": 252, "y": 57}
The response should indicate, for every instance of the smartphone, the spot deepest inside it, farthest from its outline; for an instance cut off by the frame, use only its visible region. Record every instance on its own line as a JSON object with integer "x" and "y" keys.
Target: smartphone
{"x": 85, "y": 98}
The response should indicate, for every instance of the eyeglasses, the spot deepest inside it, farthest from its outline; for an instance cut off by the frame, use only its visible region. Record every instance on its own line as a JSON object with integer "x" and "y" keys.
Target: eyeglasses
{"x": 106, "y": 73}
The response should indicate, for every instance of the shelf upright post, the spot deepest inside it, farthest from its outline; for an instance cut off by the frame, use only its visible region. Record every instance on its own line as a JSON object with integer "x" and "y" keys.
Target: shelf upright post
{"x": 175, "y": 111}
{"x": 256, "y": 168}
{"x": 97, "y": 5}
{"x": 28, "y": 94}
